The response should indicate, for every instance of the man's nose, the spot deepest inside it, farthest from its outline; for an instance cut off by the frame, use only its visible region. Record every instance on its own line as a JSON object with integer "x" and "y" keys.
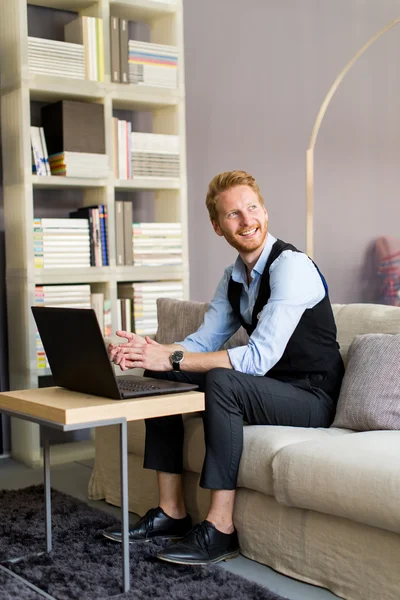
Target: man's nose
{"x": 244, "y": 219}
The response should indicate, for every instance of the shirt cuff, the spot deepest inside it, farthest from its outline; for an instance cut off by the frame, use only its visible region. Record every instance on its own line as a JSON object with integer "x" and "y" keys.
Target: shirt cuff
{"x": 189, "y": 346}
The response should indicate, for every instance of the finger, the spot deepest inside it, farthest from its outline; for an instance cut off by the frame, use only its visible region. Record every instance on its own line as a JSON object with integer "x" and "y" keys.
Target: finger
{"x": 134, "y": 364}
{"x": 124, "y": 334}
{"x": 151, "y": 341}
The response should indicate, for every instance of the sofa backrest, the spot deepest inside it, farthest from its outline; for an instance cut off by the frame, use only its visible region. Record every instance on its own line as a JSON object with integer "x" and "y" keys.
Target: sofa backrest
{"x": 177, "y": 319}
{"x": 358, "y": 319}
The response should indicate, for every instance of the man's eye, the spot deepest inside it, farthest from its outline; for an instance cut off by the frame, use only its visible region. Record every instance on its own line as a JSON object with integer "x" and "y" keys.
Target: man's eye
{"x": 232, "y": 214}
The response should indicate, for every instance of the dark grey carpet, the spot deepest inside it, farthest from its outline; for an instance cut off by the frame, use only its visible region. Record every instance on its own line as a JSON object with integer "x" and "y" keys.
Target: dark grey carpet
{"x": 85, "y": 566}
{"x": 11, "y": 589}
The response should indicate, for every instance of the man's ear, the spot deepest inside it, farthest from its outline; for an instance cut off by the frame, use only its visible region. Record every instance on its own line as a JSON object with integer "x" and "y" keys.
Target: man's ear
{"x": 217, "y": 228}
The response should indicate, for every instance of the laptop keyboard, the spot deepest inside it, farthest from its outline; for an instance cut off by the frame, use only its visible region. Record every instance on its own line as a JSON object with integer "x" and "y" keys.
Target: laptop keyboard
{"x": 132, "y": 386}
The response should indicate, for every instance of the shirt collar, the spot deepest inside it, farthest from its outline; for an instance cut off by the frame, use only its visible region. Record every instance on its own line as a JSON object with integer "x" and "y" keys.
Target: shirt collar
{"x": 239, "y": 268}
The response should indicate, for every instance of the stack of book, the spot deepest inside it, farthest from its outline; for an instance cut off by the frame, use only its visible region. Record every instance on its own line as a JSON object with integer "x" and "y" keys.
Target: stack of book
{"x": 88, "y": 31}
{"x": 153, "y": 64}
{"x": 52, "y": 57}
{"x": 69, "y": 296}
{"x": 40, "y": 158}
{"x": 75, "y": 138}
{"x": 144, "y": 297}
{"x": 61, "y": 243}
{"x": 155, "y": 155}
{"x": 79, "y": 164}
{"x": 97, "y": 218}
{"x": 157, "y": 244}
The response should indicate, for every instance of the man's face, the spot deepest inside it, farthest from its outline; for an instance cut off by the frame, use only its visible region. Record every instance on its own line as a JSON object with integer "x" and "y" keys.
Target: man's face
{"x": 242, "y": 220}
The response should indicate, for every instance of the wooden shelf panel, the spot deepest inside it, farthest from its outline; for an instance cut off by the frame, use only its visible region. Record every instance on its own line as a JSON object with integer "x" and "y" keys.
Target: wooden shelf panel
{"x": 147, "y": 184}
{"x": 148, "y": 273}
{"x": 72, "y": 275}
{"x": 41, "y": 182}
{"x": 140, "y": 97}
{"x": 73, "y": 5}
{"x": 48, "y": 88}
{"x": 142, "y": 10}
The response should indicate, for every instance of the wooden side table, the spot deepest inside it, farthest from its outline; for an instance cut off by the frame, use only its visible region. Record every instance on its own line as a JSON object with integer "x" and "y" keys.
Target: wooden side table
{"x": 64, "y": 410}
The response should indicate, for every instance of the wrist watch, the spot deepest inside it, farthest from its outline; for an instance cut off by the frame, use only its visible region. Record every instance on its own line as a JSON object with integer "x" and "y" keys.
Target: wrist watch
{"x": 176, "y": 358}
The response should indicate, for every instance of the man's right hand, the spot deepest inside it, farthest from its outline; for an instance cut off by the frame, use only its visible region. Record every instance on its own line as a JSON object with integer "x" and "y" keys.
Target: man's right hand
{"x": 132, "y": 341}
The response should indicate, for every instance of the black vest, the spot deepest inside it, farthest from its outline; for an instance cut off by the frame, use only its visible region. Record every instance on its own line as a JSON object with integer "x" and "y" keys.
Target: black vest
{"x": 312, "y": 355}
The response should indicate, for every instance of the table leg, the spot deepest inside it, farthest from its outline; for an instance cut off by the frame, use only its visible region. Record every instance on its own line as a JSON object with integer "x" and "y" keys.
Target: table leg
{"x": 47, "y": 493}
{"x": 124, "y": 506}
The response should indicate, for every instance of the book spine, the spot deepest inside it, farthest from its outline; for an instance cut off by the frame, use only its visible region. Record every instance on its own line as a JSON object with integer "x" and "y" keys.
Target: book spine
{"x": 37, "y": 151}
{"x": 100, "y": 48}
{"x": 128, "y": 215}
{"x": 123, "y": 50}
{"x": 119, "y": 231}
{"x": 44, "y": 151}
{"x": 115, "y": 60}
{"x": 103, "y": 235}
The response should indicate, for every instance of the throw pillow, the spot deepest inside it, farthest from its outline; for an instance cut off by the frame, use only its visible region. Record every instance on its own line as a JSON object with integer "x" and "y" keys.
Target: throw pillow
{"x": 370, "y": 393}
{"x": 179, "y": 318}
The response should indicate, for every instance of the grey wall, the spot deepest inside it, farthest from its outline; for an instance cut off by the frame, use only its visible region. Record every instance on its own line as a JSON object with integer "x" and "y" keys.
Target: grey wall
{"x": 256, "y": 75}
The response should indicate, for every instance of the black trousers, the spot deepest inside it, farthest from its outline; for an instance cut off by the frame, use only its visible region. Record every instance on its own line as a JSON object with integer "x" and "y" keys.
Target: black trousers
{"x": 232, "y": 397}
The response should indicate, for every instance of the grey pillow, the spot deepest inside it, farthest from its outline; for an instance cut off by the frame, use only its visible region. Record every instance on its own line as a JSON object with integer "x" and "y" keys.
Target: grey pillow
{"x": 179, "y": 318}
{"x": 370, "y": 393}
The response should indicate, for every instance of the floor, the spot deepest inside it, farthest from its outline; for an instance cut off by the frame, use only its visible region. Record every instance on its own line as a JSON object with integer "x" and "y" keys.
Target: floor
{"x": 73, "y": 479}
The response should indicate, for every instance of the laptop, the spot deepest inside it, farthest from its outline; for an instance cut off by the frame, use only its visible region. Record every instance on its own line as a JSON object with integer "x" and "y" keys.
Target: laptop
{"x": 78, "y": 357}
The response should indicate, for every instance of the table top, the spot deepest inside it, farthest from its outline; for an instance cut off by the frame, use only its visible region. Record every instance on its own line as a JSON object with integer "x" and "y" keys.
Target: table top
{"x": 64, "y": 407}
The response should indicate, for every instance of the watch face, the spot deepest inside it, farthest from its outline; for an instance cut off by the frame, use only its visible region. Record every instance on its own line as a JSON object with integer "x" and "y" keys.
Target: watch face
{"x": 177, "y": 356}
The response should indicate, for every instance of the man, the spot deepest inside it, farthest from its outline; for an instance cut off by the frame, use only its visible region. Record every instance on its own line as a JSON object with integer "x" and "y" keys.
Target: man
{"x": 289, "y": 373}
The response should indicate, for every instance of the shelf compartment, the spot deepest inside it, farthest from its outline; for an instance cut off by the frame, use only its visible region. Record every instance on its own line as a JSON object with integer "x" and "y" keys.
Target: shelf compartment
{"x": 142, "y": 10}
{"x": 147, "y": 184}
{"x": 55, "y": 182}
{"x": 72, "y": 275}
{"x": 49, "y": 88}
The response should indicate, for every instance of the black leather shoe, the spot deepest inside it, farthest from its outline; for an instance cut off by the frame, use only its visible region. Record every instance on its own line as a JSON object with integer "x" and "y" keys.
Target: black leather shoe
{"x": 204, "y": 544}
{"x": 155, "y": 523}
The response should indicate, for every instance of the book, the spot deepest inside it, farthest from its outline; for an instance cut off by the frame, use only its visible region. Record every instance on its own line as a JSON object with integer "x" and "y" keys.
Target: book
{"x": 123, "y": 50}
{"x": 74, "y": 126}
{"x": 83, "y": 31}
{"x": 119, "y": 232}
{"x": 114, "y": 43}
{"x": 128, "y": 217}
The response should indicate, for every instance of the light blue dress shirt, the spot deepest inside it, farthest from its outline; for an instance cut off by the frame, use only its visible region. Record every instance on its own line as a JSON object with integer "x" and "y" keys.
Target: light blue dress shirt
{"x": 295, "y": 285}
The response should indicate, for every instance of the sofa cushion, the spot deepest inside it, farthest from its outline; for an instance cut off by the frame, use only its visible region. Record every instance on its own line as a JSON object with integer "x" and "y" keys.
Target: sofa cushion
{"x": 356, "y": 477}
{"x": 370, "y": 393}
{"x": 260, "y": 445}
{"x": 179, "y": 318}
{"x": 358, "y": 319}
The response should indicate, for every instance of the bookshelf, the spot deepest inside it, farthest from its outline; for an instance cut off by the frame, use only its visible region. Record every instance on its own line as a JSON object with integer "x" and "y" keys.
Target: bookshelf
{"x": 18, "y": 88}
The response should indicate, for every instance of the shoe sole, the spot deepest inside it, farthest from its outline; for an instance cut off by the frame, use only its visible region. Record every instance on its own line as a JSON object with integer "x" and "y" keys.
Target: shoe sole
{"x": 178, "y": 561}
{"x": 149, "y": 539}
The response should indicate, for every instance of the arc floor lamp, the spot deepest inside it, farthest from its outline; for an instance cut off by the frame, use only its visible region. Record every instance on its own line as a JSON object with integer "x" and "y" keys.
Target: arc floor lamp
{"x": 314, "y": 134}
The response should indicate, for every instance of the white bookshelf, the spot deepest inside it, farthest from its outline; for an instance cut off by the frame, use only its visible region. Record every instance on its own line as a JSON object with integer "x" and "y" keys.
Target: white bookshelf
{"x": 18, "y": 88}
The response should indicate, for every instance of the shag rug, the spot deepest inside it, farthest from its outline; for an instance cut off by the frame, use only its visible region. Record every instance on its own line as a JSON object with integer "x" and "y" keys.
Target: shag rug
{"x": 85, "y": 566}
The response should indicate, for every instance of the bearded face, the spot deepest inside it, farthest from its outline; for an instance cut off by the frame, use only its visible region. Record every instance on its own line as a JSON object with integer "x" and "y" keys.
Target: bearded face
{"x": 242, "y": 220}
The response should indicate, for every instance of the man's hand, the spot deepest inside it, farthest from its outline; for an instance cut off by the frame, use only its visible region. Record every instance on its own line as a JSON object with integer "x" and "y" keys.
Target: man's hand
{"x": 145, "y": 355}
{"x": 133, "y": 341}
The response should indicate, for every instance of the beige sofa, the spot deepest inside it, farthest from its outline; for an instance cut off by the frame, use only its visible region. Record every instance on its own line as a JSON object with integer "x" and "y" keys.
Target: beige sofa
{"x": 320, "y": 505}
